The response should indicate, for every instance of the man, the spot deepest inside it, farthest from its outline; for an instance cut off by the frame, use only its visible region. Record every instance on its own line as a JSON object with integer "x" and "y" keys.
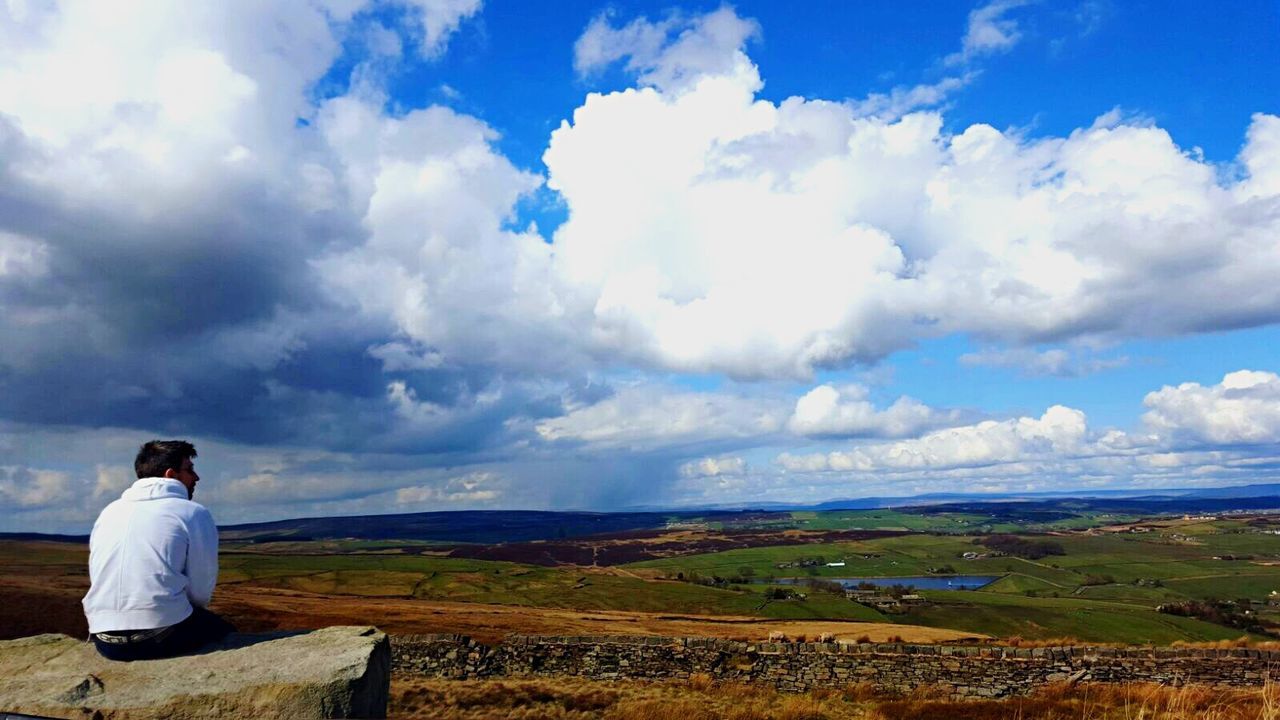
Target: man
{"x": 153, "y": 562}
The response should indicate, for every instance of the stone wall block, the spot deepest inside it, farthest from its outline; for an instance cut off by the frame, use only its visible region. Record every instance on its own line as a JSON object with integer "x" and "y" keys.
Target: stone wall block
{"x": 968, "y": 671}
{"x": 333, "y": 672}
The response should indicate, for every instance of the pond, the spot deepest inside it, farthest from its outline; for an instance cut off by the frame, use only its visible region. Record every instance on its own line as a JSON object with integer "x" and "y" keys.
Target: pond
{"x": 922, "y": 582}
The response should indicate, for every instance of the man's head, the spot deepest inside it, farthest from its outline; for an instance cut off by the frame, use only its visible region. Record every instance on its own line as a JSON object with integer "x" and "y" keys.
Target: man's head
{"x": 168, "y": 459}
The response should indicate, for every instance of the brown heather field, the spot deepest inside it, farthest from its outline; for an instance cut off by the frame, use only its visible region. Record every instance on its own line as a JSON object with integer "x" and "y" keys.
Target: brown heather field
{"x": 700, "y": 698}
{"x": 268, "y": 609}
{"x": 255, "y": 609}
{"x": 638, "y": 545}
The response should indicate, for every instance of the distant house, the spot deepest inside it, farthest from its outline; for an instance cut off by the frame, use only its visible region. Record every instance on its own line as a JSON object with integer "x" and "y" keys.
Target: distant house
{"x": 677, "y": 525}
{"x": 835, "y": 564}
{"x": 884, "y": 603}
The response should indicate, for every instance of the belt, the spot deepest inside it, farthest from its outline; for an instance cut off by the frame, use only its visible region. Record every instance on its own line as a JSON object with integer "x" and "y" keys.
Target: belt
{"x": 128, "y": 637}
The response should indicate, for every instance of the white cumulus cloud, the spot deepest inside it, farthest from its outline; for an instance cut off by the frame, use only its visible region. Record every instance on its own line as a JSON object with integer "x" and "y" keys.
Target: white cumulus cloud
{"x": 22, "y": 487}
{"x": 1191, "y": 435}
{"x": 718, "y": 232}
{"x": 1242, "y": 409}
{"x": 990, "y": 31}
{"x": 670, "y": 54}
{"x": 439, "y": 20}
{"x": 645, "y": 417}
{"x": 439, "y": 266}
{"x": 846, "y": 412}
{"x": 474, "y": 488}
{"x": 1060, "y": 431}
{"x": 713, "y": 467}
{"x": 1033, "y": 363}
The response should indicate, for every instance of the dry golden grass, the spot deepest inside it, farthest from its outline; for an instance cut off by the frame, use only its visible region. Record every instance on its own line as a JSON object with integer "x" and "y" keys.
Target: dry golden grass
{"x": 701, "y": 697}
{"x": 1244, "y": 641}
{"x": 1241, "y": 642}
{"x": 258, "y": 608}
{"x": 1017, "y": 641}
{"x": 1140, "y": 701}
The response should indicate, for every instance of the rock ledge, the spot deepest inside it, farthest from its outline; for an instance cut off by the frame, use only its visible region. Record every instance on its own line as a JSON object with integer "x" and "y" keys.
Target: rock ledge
{"x": 334, "y": 672}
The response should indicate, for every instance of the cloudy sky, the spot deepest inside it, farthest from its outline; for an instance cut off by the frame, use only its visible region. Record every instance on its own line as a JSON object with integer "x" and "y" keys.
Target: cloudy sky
{"x": 438, "y": 254}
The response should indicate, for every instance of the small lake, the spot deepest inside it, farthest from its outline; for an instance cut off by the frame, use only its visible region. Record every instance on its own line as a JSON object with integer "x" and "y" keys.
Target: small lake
{"x": 923, "y": 582}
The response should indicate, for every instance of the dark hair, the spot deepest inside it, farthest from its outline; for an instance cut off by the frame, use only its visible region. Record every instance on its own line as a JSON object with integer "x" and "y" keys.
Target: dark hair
{"x": 159, "y": 455}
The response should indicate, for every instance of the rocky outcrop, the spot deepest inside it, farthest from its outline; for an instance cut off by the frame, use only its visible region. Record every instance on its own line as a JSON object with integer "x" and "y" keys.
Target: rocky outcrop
{"x": 961, "y": 671}
{"x": 334, "y": 672}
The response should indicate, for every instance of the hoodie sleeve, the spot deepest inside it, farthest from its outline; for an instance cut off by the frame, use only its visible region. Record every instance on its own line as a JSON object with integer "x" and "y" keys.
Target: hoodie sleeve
{"x": 202, "y": 558}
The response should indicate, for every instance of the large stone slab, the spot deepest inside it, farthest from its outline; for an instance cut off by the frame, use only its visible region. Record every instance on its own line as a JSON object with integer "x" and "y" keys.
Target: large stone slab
{"x": 334, "y": 672}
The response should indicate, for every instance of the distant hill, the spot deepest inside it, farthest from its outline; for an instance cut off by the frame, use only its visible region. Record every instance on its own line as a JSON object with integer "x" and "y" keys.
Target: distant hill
{"x": 1259, "y": 490}
{"x": 1045, "y": 510}
{"x": 23, "y": 536}
{"x": 469, "y": 526}
{"x": 512, "y": 526}
{"x": 930, "y": 499}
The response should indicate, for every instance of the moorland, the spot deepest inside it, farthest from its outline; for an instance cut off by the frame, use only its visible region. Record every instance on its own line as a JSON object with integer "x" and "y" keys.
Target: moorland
{"x": 1097, "y": 571}
{"x": 1110, "y": 571}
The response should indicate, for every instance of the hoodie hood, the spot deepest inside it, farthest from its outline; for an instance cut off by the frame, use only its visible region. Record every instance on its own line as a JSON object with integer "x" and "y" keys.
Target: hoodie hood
{"x": 155, "y": 488}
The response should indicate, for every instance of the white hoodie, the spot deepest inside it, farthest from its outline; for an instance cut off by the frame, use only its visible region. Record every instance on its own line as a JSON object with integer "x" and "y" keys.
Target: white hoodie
{"x": 152, "y": 555}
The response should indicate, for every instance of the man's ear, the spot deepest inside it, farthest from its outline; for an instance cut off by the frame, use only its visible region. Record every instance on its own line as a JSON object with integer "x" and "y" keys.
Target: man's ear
{"x": 171, "y": 474}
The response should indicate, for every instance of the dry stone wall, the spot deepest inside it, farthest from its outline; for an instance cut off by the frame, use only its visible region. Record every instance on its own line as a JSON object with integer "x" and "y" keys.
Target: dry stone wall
{"x": 966, "y": 671}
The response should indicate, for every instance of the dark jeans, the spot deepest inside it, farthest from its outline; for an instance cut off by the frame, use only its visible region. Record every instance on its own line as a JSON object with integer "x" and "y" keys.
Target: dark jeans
{"x": 200, "y": 628}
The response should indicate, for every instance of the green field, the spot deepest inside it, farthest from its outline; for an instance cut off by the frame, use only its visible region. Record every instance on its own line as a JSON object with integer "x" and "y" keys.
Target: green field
{"x": 1105, "y": 586}
{"x": 1015, "y": 583}
{"x": 1256, "y": 586}
{"x": 763, "y": 561}
{"x": 891, "y": 520}
{"x": 946, "y": 522}
{"x": 481, "y": 581}
{"x": 1089, "y": 620}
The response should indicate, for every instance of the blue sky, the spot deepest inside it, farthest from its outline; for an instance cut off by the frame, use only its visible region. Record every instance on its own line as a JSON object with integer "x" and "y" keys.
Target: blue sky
{"x": 1197, "y": 70}
{"x": 446, "y": 254}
